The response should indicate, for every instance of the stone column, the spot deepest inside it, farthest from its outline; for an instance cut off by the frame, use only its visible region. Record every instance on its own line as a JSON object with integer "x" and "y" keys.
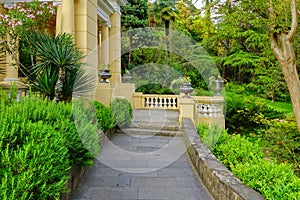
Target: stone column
{"x": 11, "y": 68}
{"x": 105, "y": 44}
{"x": 58, "y": 20}
{"x": 67, "y": 11}
{"x": 187, "y": 109}
{"x": 115, "y": 48}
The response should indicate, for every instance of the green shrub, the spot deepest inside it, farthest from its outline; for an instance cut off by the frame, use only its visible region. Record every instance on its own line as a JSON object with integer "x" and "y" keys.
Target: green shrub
{"x": 211, "y": 135}
{"x": 273, "y": 181}
{"x": 248, "y": 162}
{"x": 39, "y": 143}
{"x": 282, "y": 141}
{"x": 245, "y": 113}
{"x": 122, "y": 111}
{"x": 237, "y": 149}
{"x": 35, "y": 167}
{"x": 235, "y": 88}
{"x": 104, "y": 116}
{"x": 154, "y": 88}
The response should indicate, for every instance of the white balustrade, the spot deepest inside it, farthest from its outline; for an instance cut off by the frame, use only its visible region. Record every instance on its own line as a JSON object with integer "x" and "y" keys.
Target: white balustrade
{"x": 161, "y": 102}
{"x": 209, "y": 110}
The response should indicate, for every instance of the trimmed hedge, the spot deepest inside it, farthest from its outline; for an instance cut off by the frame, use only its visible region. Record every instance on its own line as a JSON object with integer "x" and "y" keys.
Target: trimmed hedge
{"x": 122, "y": 111}
{"x": 39, "y": 144}
{"x": 248, "y": 162}
{"x": 104, "y": 115}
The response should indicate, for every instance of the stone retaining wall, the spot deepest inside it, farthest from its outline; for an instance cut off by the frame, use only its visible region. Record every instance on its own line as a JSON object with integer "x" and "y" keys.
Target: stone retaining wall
{"x": 220, "y": 182}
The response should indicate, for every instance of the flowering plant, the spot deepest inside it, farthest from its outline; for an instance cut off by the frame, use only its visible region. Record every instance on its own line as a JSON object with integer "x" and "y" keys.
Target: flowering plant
{"x": 23, "y": 18}
{"x": 186, "y": 79}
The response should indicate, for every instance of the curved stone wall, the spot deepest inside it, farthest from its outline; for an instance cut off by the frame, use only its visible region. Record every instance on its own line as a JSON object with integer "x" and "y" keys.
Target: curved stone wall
{"x": 220, "y": 182}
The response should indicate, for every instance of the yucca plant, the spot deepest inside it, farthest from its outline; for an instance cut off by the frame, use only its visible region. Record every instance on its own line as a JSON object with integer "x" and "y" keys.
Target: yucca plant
{"x": 57, "y": 67}
{"x": 57, "y": 55}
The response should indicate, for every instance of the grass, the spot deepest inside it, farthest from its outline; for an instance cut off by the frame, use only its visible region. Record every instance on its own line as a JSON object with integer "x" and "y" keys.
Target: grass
{"x": 281, "y": 107}
{"x": 285, "y": 107}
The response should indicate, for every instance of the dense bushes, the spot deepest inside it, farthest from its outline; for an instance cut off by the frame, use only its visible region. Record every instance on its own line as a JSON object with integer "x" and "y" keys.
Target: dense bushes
{"x": 154, "y": 88}
{"x": 260, "y": 120}
{"x": 39, "y": 143}
{"x": 104, "y": 116}
{"x": 273, "y": 181}
{"x": 244, "y": 113}
{"x": 248, "y": 162}
{"x": 282, "y": 141}
{"x": 122, "y": 111}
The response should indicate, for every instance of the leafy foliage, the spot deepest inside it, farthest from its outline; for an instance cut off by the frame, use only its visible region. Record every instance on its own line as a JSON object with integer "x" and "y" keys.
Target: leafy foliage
{"x": 23, "y": 19}
{"x": 243, "y": 114}
{"x": 247, "y": 161}
{"x": 154, "y": 88}
{"x": 122, "y": 111}
{"x": 134, "y": 14}
{"x": 271, "y": 180}
{"x": 57, "y": 67}
{"x": 104, "y": 116}
{"x": 211, "y": 135}
{"x": 39, "y": 144}
{"x": 282, "y": 141}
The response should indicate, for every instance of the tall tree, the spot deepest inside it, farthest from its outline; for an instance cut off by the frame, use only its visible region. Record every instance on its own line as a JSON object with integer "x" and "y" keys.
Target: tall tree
{"x": 165, "y": 11}
{"x": 189, "y": 20}
{"x": 134, "y": 15}
{"x": 281, "y": 38}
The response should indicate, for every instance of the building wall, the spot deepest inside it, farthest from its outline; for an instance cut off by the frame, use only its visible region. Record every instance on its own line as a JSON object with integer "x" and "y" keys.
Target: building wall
{"x": 2, "y": 65}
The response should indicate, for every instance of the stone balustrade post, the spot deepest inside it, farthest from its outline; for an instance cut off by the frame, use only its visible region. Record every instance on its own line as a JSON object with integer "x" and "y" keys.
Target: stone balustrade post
{"x": 138, "y": 101}
{"x": 187, "y": 109}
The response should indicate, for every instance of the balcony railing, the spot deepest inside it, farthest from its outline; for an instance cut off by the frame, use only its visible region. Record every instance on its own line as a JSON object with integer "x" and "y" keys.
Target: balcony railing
{"x": 155, "y": 101}
{"x": 209, "y": 106}
{"x": 200, "y": 109}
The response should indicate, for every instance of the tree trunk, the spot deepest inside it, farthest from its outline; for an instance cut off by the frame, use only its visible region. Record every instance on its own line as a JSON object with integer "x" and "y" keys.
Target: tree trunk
{"x": 167, "y": 30}
{"x": 283, "y": 49}
{"x": 293, "y": 83}
{"x": 130, "y": 48}
{"x": 287, "y": 61}
{"x": 59, "y": 85}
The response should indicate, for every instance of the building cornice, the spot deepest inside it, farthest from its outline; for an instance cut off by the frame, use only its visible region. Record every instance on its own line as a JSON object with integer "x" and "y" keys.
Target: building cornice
{"x": 122, "y": 2}
{"x": 9, "y": 3}
{"x": 106, "y": 6}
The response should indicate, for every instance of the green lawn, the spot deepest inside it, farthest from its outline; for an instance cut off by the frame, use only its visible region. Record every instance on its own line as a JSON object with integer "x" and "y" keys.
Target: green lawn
{"x": 281, "y": 106}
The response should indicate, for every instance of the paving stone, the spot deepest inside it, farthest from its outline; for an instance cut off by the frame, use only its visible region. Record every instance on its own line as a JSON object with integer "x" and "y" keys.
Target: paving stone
{"x": 179, "y": 172}
{"x": 143, "y": 167}
{"x": 157, "y": 193}
{"x": 108, "y": 193}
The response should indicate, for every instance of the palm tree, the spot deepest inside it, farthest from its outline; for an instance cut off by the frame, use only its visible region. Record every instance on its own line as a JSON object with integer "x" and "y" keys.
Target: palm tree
{"x": 165, "y": 11}
{"x": 57, "y": 66}
{"x": 2, "y": 61}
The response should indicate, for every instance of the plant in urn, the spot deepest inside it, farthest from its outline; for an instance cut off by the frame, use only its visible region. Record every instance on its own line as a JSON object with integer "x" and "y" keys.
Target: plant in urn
{"x": 186, "y": 87}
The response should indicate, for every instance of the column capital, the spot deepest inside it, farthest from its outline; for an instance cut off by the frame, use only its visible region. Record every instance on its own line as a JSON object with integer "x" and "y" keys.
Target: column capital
{"x": 57, "y": 2}
{"x": 105, "y": 23}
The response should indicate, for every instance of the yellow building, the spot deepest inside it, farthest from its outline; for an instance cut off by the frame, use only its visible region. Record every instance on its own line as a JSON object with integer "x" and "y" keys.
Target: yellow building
{"x": 96, "y": 26}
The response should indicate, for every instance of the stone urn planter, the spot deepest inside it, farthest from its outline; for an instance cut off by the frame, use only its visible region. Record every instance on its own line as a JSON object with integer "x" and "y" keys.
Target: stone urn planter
{"x": 126, "y": 78}
{"x": 104, "y": 75}
{"x": 186, "y": 88}
{"x": 219, "y": 86}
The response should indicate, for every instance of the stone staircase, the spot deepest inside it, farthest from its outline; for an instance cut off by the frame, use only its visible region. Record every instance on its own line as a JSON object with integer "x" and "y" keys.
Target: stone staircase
{"x": 154, "y": 122}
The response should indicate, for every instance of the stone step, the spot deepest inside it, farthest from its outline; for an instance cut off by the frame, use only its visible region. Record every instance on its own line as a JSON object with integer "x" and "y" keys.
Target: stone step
{"x": 170, "y": 126}
{"x": 156, "y": 132}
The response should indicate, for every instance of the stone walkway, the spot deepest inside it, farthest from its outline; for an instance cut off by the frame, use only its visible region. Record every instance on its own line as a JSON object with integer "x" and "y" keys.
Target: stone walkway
{"x": 138, "y": 163}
